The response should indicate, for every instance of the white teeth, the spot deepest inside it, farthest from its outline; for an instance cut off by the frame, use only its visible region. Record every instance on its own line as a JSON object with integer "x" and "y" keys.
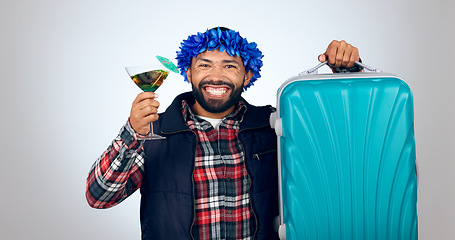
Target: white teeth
{"x": 216, "y": 91}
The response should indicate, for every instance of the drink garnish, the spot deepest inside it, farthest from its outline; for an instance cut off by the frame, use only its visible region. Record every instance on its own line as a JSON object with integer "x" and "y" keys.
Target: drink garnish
{"x": 168, "y": 64}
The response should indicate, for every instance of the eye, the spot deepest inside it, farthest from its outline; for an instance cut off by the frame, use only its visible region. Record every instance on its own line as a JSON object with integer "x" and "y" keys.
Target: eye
{"x": 231, "y": 66}
{"x": 203, "y": 65}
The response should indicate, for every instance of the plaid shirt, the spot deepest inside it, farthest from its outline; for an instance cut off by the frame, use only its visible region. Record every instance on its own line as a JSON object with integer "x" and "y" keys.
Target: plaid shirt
{"x": 119, "y": 171}
{"x": 222, "y": 183}
{"x": 222, "y": 203}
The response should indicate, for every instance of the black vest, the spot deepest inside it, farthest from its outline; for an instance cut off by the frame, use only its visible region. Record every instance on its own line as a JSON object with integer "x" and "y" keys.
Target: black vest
{"x": 167, "y": 204}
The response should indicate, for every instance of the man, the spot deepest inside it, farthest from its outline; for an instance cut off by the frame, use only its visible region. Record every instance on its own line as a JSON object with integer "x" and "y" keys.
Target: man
{"x": 215, "y": 174}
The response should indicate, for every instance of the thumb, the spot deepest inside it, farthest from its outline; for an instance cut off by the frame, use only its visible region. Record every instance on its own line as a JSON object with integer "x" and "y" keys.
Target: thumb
{"x": 322, "y": 58}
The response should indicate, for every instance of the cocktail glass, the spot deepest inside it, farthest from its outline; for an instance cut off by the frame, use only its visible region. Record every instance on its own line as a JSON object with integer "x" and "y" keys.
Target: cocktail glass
{"x": 149, "y": 78}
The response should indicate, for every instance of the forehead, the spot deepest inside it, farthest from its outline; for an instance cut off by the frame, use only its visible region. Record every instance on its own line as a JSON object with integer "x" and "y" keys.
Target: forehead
{"x": 216, "y": 55}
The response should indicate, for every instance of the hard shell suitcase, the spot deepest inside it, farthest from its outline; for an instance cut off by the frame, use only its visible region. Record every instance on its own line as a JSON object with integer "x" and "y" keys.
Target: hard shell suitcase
{"x": 347, "y": 163}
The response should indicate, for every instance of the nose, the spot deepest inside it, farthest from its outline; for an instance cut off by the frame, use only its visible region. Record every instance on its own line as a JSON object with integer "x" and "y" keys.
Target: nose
{"x": 217, "y": 73}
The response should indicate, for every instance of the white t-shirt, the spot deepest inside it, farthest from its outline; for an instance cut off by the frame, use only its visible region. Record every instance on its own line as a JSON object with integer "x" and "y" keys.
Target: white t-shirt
{"x": 215, "y": 122}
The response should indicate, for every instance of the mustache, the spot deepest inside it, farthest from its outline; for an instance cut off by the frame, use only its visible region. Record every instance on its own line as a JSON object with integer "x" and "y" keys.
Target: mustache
{"x": 216, "y": 83}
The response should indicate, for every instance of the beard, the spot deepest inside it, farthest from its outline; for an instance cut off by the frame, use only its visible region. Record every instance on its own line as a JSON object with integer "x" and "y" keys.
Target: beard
{"x": 217, "y": 105}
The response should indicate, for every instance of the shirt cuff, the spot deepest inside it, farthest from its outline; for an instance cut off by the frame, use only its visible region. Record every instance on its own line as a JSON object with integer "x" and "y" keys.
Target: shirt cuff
{"x": 130, "y": 137}
{"x": 355, "y": 68}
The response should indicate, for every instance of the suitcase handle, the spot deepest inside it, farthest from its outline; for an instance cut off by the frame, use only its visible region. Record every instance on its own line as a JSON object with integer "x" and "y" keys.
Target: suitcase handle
{"x": 314, "y": 70}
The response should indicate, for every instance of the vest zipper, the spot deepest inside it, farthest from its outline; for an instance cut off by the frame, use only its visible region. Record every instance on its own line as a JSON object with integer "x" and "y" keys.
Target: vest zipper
{"x": 192, "y": 182}
{"x": 192, "y": 177}
{"x": 251, "y": 206}
{"x": 258, "y": 155}
{"x": 249, "y": 190}
{"x": 249, "y": 177}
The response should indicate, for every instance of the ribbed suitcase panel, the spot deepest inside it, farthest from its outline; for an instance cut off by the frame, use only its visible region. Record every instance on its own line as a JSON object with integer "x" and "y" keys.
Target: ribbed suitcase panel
{"x": 348, "y": 159}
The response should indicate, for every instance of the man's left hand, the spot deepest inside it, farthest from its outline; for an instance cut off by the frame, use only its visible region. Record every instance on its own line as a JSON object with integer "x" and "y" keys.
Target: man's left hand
{"x": 340, "y": 54}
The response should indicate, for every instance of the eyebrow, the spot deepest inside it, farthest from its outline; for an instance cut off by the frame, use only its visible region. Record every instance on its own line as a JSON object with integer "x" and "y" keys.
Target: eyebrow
{"x": 224, "y": 61}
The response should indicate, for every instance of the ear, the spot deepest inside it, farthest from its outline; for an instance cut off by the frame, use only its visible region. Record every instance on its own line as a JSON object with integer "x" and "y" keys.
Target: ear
{"x": 188, "y": 75}
{"x": 248, "y": 77}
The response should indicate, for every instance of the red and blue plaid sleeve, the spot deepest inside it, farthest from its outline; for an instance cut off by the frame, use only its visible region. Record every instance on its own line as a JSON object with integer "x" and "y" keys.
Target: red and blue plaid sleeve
{"x": 119, "y": 171}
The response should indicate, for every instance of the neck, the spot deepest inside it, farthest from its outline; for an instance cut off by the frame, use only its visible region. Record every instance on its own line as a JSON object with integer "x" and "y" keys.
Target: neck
{"x": 199, "y": 110}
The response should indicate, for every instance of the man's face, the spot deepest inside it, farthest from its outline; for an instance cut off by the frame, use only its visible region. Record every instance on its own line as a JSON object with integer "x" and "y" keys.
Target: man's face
{"x": 218, "y": 80}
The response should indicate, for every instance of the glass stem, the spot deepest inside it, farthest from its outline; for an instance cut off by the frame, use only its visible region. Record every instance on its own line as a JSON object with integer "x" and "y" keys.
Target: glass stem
{"x": 151, "y": 129}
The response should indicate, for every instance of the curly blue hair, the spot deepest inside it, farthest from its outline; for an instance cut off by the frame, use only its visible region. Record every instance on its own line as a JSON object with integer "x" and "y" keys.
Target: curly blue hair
{"x": 223, "y": 39}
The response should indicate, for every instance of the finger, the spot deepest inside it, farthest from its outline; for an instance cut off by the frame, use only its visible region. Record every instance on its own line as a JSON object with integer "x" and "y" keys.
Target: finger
{"x": 346, "y": 62}
{"x": 138, "y": 115}
{"x": 145, "y": 95}
{"x": 139, "y": 124}
{"x": 351, "y": 61}
{"x": 331, "y": 52}
{"x": 139, "y": 112}
{"x": 147, "y": 110}
{"x": 143, "y": 108}
{"x": 351, "y": 56}
{"x": 354, "y": 56}
{"x": 152, "y": 118}
{"x": 140, "y": 104}
{"x": 143, "y": 127}
{"x": 147, "y": 102}
{"x": 322, "y": 58}
{"x": 140, "y": 121}
{"x": 340, "y": 54}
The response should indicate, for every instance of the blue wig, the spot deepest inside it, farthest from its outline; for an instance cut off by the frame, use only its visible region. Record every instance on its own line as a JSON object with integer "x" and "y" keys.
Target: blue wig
{"x": 225, "y": 40}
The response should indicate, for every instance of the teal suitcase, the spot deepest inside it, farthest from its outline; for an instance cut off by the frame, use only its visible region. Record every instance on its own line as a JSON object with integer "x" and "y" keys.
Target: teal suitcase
{"x": 347, "y": 163}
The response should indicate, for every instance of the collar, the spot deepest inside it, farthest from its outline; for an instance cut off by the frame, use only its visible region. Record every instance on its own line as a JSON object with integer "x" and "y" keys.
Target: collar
{"x": 236, "y": 115}
{"x": 252, "y": 116}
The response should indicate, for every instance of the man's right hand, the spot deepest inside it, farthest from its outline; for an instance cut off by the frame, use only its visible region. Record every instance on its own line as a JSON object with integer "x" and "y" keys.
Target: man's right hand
{"x": 340, "y": 54}
{"x": 143, "y": 112}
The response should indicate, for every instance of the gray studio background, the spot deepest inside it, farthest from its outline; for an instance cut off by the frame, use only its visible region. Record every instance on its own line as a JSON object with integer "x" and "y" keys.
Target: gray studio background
{"x": 65, "y": 93}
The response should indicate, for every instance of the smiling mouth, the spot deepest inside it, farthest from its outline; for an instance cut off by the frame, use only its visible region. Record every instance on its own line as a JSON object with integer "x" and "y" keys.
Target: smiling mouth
{"x": 216, "y": 91}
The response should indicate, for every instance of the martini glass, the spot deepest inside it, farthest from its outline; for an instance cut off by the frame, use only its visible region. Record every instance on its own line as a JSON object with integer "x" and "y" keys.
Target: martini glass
{"x": 149, "y": 78}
